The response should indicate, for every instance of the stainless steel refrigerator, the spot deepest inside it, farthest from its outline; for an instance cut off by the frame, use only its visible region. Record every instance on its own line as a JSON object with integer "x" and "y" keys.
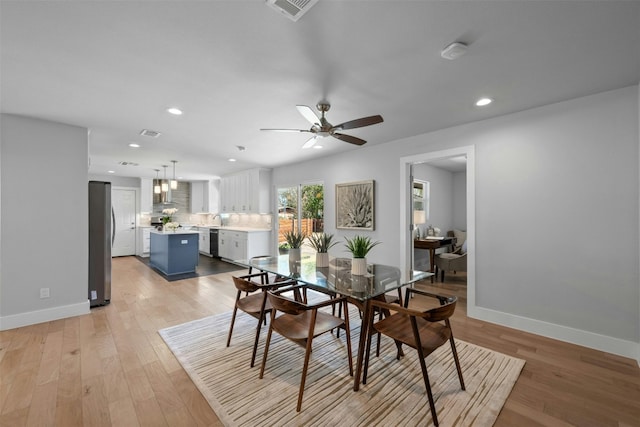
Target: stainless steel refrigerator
{"x": 100, "y": 241}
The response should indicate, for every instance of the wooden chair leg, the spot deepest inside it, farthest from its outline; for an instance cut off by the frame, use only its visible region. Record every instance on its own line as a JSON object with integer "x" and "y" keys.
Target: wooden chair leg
{"x": 233, "y": 319}
{"x": 455, "y": 358}
{"x": 365, "y": 368}
{"x": 432, "y": 405}
{"x": 348, "y": 337}
{"x": 266, "y": 345}
{"x": 307, "y": 355}
{"x": 442, "y": 276}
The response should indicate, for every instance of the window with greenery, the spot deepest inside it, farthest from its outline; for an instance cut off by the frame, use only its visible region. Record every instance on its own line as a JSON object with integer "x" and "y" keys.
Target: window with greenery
{"x": 308, "y": 219}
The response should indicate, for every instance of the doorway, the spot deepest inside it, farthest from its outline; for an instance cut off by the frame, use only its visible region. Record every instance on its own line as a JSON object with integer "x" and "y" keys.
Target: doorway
{"x": 406, "y": 210}
{"x": 300, "y": 209}
{"x": 123, "y": 211}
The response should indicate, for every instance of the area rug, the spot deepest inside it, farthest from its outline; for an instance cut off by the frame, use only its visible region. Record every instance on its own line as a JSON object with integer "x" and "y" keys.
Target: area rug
{"x": 394, "y": 394}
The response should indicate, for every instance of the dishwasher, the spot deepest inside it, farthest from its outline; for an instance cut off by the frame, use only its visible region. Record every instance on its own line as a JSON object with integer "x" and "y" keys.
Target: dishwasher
{"x": 213, "y": 246}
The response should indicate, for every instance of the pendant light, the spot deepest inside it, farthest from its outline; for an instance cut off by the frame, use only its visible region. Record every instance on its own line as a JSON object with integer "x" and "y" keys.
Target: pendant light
{"x": 156, "y": 183}
{"x": 174, "y": 182}
{"x": 165, "y": 185}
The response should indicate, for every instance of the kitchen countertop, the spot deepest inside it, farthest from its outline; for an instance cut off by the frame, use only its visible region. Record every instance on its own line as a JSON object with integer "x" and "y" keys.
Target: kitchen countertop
{"x": 175, "y": 232}
{"x": 234, "y": 228}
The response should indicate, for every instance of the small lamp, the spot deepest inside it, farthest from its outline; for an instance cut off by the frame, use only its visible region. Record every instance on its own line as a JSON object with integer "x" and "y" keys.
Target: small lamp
{"x": 174, "y": 182}
{"x": 156, "y": 184}
{"x": 419, "y": 217}
{"x": 165, "y": 185}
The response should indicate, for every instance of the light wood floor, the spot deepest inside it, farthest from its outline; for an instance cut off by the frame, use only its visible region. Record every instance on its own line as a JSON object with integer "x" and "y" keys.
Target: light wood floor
{"x": 112, "y": 368}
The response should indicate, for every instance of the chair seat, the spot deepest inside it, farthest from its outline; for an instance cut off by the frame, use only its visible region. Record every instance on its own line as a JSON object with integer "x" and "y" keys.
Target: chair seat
{"x": 297, "y": 327}
{"x": 398, "y": 327}
{"x": 448, "y": 255}
{"x": 252, "y": 304}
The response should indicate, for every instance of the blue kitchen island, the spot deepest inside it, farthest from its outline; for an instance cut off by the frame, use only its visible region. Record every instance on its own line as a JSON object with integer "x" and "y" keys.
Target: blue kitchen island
{"x": 174, "y": 252}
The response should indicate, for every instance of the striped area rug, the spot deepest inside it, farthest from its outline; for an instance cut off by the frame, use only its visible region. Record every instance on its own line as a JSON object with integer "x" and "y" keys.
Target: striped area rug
{"x": 394, "y": 394}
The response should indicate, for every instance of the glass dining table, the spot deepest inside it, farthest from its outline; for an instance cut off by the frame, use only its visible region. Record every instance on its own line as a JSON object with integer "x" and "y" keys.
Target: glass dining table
{"x": 337, "y": 278}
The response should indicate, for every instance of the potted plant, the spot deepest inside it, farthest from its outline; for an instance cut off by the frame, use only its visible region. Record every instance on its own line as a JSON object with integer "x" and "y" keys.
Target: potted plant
{"x": 283, "y": 248}
{"x": 295, "y": 241}
{"x": 321, "y": 242}
{"x": 359, "y": 246}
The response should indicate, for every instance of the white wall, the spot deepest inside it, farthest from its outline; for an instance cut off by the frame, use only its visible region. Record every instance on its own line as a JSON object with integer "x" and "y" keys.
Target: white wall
{"x": 44, "y": 224}
{"x": 441, "y": 196}
{"x": 557, "y": 199}
{"x": 460, "y": 200}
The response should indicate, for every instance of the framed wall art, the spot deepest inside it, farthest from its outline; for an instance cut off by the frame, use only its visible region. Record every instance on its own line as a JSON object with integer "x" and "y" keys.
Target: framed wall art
{"x": 355, "y": 205}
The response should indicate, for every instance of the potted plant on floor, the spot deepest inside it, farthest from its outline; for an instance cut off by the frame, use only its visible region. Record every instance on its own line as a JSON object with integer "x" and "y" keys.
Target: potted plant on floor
{"x": 321, "y": 242}
{"x": 359, "y": 246}
{"x": 295, "y": 241}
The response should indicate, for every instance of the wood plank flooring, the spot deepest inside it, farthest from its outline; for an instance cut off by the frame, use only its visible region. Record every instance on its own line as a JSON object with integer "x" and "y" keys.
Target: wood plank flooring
{"x": 111, "y": 368}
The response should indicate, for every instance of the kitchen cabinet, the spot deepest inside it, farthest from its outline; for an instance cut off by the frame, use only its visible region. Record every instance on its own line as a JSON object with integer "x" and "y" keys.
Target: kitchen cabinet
{"x": 204, "y": 242}
{"x": 246, "y": 192}
{"x": 146, "y": 195}
{"x": 205, "y": 196}
{"x": 144, "y": 237}
{"x": 234, "y": 245}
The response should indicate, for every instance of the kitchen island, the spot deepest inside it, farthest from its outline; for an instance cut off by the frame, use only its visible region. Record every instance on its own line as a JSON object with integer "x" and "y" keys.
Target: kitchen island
{"x": 174, "y": 252}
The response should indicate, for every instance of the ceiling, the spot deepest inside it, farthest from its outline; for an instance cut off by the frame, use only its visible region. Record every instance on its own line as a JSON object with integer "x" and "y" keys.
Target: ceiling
{"x": 235, "y": 66}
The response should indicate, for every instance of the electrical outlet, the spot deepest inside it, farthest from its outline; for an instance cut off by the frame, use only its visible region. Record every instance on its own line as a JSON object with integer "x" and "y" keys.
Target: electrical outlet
{"x": 44, "y": 292}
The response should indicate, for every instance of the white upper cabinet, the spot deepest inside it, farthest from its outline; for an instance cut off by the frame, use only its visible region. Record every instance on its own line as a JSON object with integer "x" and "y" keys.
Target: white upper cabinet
{"x": 146, "y": 195}
{"x": 205, "y": 196}
{"x": 246, "y": 192}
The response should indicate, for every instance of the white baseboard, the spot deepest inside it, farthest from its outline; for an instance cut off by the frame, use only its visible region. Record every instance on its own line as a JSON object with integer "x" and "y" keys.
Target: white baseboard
{"x": 41, "y": 316}
{"x": 592, "y": 340}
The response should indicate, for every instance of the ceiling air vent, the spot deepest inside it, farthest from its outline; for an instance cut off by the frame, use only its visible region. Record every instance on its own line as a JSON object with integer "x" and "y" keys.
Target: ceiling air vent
{"x": 292, "y": 9}
{"x": 124, "y": 163}
{"x": 151, "y": 133}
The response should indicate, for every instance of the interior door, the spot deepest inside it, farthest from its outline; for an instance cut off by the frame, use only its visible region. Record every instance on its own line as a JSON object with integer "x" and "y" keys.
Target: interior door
{"x": 123, "y": 217}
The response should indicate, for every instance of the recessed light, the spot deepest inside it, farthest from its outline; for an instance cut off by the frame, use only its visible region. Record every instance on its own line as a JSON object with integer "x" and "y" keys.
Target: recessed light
{"x": 232, "y": 160}
{"x": 483, "y": 101}
{"x": 174, "y": 111}
{"x": 111, "y": 171}
{"x": 134, "y": 145}
{"x": 317, "y": 147}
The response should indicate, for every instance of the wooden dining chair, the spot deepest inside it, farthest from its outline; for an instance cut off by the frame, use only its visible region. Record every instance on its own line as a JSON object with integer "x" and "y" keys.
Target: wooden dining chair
{"x": 301, "y": 322}
{"x": 424, "y": 331}
{"x": 255, "y": 303}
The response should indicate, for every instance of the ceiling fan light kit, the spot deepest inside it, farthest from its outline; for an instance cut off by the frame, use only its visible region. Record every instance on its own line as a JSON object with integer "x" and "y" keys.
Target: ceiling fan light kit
{"x": 321, "y": 128}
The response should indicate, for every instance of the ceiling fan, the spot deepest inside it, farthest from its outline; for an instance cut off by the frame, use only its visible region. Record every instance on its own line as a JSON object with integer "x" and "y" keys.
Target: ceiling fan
{"x": 321, "y": 128}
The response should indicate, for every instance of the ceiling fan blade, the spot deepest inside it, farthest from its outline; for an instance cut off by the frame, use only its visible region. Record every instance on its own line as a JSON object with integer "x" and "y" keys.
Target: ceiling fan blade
{"x": 350, "y": 139}
{"x": 308, "y": 114}
{"x": 310, "y": 142}
{"x": 358, "y": 123}
{"x": 288, "y": 130}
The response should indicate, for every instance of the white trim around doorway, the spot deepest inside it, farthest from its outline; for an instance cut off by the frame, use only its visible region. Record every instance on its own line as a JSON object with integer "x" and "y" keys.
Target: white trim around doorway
{"x": 405, "y": 213}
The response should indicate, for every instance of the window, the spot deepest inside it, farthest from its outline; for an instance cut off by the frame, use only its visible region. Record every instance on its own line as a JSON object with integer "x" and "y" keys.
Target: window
{"x": 300, "y": 208}
{"x": 420, "y": 201}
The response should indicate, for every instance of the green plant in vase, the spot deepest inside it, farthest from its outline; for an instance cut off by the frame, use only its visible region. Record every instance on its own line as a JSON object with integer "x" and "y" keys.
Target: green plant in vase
{"x": 294, "y": 240}
{"x": 359, "y": 246}
{"x": 322, "y": 242}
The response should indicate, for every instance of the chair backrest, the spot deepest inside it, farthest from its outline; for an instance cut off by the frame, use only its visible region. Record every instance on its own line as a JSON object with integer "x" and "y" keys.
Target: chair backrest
{"x": 244, "y": 285}
{"x": 286, "y": 305}
{"x": 442, "y": 312}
